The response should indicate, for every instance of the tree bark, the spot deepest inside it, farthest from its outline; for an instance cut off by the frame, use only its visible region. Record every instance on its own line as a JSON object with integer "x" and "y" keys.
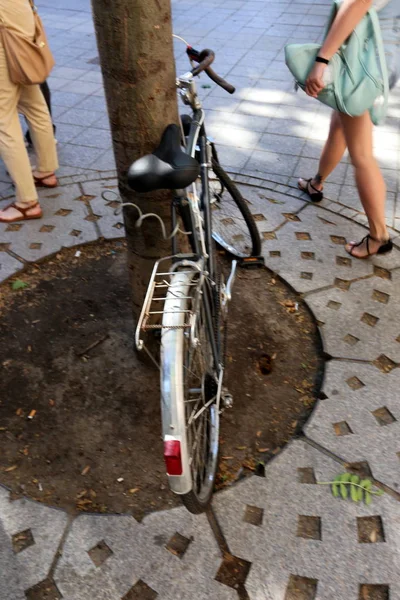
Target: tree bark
{"x": 136, "y": 54}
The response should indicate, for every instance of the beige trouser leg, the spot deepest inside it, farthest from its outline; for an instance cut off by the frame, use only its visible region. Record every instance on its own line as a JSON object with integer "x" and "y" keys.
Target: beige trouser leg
{"x": 30, "y": 101}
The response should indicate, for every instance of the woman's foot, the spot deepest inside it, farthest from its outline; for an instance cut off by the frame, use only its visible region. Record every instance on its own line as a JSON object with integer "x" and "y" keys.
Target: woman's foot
{"x": 313, "y": 188}
{"x": 13, "y": 213}
{"x": 369, "y": 246}
{"x": 47, "y": 180}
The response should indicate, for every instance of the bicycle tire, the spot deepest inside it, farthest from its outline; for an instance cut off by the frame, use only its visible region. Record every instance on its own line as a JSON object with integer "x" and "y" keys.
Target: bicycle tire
{"x": 177, "y": 367}
{"x": 253, "y": 247}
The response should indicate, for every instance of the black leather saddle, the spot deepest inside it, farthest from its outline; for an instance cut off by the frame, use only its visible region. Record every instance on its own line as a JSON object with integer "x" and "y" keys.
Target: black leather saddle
{"x": 167, "y": 168}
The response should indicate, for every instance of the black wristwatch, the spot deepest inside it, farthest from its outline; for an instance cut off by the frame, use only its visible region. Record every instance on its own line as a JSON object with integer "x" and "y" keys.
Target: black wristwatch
{"x": 319, "y": 59}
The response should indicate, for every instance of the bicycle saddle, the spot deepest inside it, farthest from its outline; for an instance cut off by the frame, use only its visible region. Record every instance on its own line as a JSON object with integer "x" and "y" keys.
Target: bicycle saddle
{"x": 168, "y": 167}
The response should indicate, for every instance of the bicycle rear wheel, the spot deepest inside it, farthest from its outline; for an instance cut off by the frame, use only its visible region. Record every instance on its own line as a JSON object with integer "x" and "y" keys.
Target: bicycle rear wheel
{"x": 233, "y": 225}
{"x": 189, "y": 383}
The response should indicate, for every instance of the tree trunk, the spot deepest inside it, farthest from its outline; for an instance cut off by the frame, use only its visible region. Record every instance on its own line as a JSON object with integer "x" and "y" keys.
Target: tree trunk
{"x": 136, "y": 54}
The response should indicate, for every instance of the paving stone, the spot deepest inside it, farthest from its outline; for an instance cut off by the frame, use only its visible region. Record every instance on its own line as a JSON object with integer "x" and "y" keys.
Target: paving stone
{"x": 272, "y": 162}
{"x": 192, "y": 575}
{"x": 270, "y": 205}
{"x": 47, "y": 526}
{"x": 68, "y": 73}
{"x": 369, "y": 441}
{"x": 8, "y": 265}
{"x": 66, "y": 133}
{"x": 66, "y": 99}
{"x": 85, "y": 88}
{"x": 374, "y": 323}
{"x": 75, "y": 155}
{"x": 76, "y": 575}
{"x": 110, "y": 224}
{"x": 11, "y": 587}
{"x": 328, "y": 233}
{"x": 337, "y": 562}
{"x": 285, "y": 144}
{"x": 78, "y": 116}
{"x": 349, "y": 197}
{"x": 63, "y": 225}
{"x": 138, "y": 552}
{"x": 96, "y": 138}
{"x": 105, "y": 162}
{"x": 224, "y": 136}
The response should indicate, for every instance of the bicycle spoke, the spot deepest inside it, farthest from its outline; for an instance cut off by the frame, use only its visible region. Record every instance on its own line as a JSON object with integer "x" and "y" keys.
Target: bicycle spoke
{"x": 200, "y": 412}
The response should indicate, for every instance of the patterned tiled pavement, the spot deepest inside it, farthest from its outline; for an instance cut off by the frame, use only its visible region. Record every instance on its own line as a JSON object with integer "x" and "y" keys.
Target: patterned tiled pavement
{"x": 287, "y": 535}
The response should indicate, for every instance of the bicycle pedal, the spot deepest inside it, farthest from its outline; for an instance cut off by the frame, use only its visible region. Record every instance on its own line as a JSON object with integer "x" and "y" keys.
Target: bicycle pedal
{"x": 252, "y": 262}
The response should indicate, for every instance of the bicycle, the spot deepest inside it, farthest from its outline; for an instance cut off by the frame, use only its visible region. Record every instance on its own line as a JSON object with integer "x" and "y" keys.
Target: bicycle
{"x": 187, "y": 302}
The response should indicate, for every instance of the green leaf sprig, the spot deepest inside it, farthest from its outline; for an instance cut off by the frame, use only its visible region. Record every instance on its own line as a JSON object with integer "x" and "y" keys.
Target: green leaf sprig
{"x": 351, "y": 486}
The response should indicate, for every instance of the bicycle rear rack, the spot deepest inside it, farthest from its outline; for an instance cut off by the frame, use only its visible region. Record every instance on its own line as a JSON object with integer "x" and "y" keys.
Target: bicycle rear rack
{"x": 160, "y": 286}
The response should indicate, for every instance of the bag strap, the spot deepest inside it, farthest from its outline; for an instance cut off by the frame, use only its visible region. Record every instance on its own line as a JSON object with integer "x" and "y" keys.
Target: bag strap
{"x": 33, "y": 6}
{"x": 382, "y": 57}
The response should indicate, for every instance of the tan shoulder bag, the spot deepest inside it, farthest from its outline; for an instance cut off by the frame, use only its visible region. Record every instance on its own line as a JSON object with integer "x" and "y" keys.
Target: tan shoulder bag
{"x": 29, "y": 62}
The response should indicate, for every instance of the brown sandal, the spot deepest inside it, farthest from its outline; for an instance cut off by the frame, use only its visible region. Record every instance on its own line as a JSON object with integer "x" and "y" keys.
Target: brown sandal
{"x": 23, "y": 212}
{"x": 40, "y": 181}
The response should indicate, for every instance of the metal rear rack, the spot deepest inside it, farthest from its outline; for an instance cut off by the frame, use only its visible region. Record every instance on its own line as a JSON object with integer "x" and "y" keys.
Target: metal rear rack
{"x": 159, "y": 289}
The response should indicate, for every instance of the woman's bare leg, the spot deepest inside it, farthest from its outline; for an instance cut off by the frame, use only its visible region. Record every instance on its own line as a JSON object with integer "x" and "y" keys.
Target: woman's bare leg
{"x": 332, "y": 153}
{"x": 370, "y": 183}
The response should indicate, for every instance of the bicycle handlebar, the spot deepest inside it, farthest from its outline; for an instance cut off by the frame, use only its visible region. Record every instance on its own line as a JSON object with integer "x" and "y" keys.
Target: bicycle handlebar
{"x": 205, "y": 58}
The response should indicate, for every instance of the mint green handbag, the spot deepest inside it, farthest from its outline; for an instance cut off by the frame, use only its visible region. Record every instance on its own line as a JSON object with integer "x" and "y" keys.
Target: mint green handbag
{"x": 357, "y": 76}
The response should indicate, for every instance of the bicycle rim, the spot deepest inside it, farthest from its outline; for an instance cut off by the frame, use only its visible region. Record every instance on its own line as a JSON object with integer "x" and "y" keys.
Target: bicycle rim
{"x": 201, "y": 412}
{"x": 233, "y": 225}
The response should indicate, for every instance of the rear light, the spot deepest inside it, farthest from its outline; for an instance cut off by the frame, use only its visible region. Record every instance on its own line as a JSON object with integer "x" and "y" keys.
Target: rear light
{"x": 172, "y": 457}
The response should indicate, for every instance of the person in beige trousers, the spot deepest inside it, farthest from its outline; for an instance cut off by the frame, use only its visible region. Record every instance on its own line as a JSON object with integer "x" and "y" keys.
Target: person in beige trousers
{"x": 28, "y": 100}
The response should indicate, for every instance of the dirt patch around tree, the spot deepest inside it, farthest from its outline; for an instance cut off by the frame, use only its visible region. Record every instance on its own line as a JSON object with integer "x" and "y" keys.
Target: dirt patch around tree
{"x": 80, "y": 414}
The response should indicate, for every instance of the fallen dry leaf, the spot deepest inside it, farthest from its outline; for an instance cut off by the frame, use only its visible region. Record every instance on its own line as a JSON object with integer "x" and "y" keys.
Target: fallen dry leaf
{"x": 86, "y": 470}
{"x": 133, "y": 490}
{"x": 373, "y": 537}
{"x": 262, "y": 449}
{"x": 9, "y": 469}
{"x": 84, "y": 502}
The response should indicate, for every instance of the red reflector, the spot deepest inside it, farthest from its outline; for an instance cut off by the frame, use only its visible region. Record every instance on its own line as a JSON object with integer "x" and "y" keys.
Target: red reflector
{"x": 172, "y": 457}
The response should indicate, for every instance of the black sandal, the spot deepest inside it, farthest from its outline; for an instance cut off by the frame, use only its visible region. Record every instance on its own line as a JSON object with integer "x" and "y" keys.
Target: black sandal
{"x": 315, "y": 196}
{"x": 385, "y": 247}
